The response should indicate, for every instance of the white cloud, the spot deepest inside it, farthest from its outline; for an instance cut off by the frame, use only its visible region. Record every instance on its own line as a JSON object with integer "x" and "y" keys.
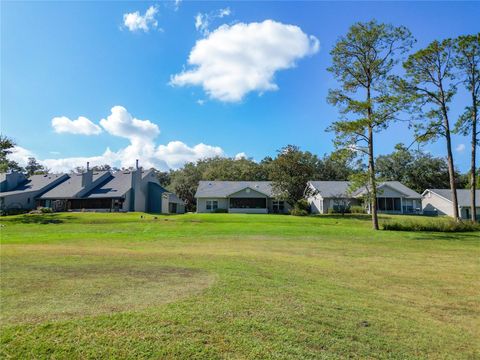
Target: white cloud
{"x": 141, "y": 135}
{"x": 135, "y": 22}
{"x": 200, "y": 102}
{"x": 82, "y": 125}
{"x": 121, "y": 123}
{"x": 176, "y": 153}
{"x": 203, "y": 21}
{"x": 460, "y": 148}
{"x": 176, "y": 4}
{"x": 241, "y": 155}
{"x": 235, "y": 60}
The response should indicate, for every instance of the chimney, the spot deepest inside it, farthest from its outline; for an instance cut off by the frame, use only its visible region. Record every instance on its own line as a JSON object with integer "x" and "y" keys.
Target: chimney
{"x": 136, "y": 164}
{"x": 87, "y": 177}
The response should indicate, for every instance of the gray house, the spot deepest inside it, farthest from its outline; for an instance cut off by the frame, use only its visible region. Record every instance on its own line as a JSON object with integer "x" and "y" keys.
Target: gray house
{"x": 392, "y": 197}
{"x": 132, "y": 190}
{"x": 248, "y": 197}
{"x": 18, "y": 192}
{"x": 439, "y": 202}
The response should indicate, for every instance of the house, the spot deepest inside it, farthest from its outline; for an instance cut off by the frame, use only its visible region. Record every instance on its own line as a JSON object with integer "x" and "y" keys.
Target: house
{"x": 439, "y": 202}
{"x": 18, "y": 192}
{"x": 248, "y": 197}
{"x": 131, "y": 190}
{"x": 392, "y": 197}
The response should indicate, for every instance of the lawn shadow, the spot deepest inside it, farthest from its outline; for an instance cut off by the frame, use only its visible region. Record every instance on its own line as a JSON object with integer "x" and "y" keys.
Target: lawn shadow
{"x": 38, "y": 219}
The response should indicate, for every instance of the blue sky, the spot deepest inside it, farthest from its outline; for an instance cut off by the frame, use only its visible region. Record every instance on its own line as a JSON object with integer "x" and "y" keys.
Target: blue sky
{"x": 72, "y": 59}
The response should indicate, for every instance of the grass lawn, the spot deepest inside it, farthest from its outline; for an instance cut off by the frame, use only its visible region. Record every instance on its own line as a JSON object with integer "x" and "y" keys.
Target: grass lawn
{"x": 79, "y": 286}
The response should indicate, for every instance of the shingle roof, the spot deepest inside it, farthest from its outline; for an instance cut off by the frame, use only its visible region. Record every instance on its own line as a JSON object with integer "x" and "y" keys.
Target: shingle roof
{"x": 35, "y": 183}
{"x": 222, "y": 189}
{"x": 71, "y": 187}
{"x": 340, "y": 188}
{"x": 328, "y": 189}
{"x": 115, "y": 186}
{"x": 396, "y": 185}
{"x": 463, "y": 196}
{"x": 175, "y": 199}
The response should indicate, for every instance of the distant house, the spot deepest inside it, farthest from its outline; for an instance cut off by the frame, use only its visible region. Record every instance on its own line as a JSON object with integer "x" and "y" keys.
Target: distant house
{"x": 249, "y": 197}
{"x": 132, "y": 190}
{"x": 18, "y": 192}
{"x": 439, "y": 201}
{"x": 392, "y": 197}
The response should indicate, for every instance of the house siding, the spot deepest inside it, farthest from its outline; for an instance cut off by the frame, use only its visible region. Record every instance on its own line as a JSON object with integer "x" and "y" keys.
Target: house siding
{"x": 432, "y": 202}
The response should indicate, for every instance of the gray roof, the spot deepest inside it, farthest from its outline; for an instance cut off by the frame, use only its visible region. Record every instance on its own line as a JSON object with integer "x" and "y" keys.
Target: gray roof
{"x": 328, "y": 189}
{"x": 463, "y": 196}
{"x": 71, "y": 187}
{"x": 395, "y": 185}
{"x": 116, "y": 186}
{"x": 340, "y": 188}
{"x": 172, "y": 198}
{"x": 35, "y": 183}
{"x": 222, "y": 189}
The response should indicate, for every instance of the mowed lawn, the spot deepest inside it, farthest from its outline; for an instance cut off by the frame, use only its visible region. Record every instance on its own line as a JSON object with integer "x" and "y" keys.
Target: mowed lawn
{"x": 78, "y": 286}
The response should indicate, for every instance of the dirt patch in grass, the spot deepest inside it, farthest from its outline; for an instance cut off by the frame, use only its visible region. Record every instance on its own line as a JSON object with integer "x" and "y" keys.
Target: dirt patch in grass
{"x": 38, "y": 293}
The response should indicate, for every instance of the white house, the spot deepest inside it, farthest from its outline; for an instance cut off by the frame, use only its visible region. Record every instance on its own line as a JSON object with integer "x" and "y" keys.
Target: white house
{"x": 439, "y": 201}
{"x": 248, "y": 197}
{"x": 392, "y": 197}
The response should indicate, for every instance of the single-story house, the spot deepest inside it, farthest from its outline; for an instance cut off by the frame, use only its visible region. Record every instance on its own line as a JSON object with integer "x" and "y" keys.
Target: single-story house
{"x": 392, "y": 197}
{"x": 18, "y": 192}
{"x": 131, "y": 190}
{"x": 249, "y": 197}
{"x": 439, "y": 202}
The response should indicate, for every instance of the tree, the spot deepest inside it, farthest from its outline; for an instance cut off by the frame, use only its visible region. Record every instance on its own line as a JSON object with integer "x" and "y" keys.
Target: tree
{"x": 34, "y": 167}
{"x": 336, "y": 166}
{"x": 415, "y": 169}
{"x": 362, "y": 62}
{"x": 6, "y": 148}
{"x": 290, "y": 171}
{"x": 184, "y": 183}
{"x": 467, "y": 60}
{"x": 164, "y": 178}
{"x": 430, "y": 88}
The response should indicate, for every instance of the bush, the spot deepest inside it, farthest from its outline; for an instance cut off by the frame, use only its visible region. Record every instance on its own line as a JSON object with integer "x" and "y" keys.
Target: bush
{"x": 301, "y": 208}
{"x": 46, "y": 210}
{"x": 298, "y": 212}
{"x": 220, "y": 211}
{"x": 6, "y": 212}
{"x": 438, "y": 225}
{"x": 356, "y": 209}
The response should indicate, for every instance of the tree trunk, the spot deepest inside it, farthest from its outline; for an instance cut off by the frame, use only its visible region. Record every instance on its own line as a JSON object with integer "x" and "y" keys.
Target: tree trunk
{"x": 473, "y": 168}
{"x": 373, "y": 183}
{"x": 451, "y": 168}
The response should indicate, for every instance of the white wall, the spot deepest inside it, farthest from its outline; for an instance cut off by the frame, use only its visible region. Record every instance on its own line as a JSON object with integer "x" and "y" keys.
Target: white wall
{"x": 434, "y": 202}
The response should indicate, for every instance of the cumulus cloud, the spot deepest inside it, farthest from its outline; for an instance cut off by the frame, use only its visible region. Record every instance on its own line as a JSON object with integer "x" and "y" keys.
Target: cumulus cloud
{"x": 176, "y": 4}
{"x": 460, "y": 148}
{"x": 121, "y": 123}
{"x": 135, "y": 21}
{"x": 241, "y": 155}
{"x": 82, "y": 125}
{"x": 141, "y": 135}
{"x": 202, "y": 21}
{"x": 235, "y": 60}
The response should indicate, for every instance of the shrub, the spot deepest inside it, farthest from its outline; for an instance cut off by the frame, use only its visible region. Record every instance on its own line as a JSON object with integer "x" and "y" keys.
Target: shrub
{"x": 298, "y": 212}
{"x": 438, "y": 225}
{"x": 46, "y": 210}
{"x": 6, "y": 212}
{"x": 220, "y": 211}
{"x": 357, "y": 209}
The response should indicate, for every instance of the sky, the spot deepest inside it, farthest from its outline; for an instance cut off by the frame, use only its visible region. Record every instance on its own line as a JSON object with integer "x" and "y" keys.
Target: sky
{"x": 170, "y": 82}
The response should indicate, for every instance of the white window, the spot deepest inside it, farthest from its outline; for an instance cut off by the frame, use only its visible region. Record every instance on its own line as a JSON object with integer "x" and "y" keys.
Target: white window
{"x": 278, "y": 206}
{"x": 212, "y": 204}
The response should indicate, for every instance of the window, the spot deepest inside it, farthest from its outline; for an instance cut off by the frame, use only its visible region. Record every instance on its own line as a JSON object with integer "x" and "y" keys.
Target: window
{"x": 212, "y": 204}
{"x": 248, "y": 203}
{"x": 278, "y": 206}
{"x": 389, "y": 204}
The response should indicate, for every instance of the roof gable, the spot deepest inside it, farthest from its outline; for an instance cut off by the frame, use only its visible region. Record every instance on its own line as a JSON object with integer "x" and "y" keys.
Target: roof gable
{"x": 223, "y": 189}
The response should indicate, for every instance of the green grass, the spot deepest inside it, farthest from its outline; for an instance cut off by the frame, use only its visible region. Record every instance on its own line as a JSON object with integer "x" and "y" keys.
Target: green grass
{"x": 79, "y": 286}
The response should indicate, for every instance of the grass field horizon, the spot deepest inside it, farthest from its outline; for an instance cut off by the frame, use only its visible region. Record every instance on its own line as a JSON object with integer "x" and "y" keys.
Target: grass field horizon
{"x": 134, "y": 285}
